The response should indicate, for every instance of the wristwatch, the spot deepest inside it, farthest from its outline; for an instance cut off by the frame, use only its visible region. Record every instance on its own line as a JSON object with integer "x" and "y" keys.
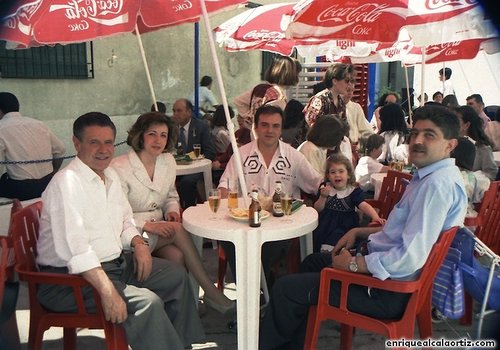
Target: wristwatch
{"x": 353, "y": 266}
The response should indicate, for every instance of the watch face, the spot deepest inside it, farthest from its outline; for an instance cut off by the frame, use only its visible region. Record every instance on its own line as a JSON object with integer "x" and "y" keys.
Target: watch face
{"x": 353, "y": 266}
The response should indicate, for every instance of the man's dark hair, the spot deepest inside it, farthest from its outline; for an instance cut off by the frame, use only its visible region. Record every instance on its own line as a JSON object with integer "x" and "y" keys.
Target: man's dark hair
{"x": 206, "y": 80}
{"x": 373, "y": 142}
{"x": 161, "y": 107}
{"x": 437, "y": 93}
{"x": 189, "y": 105}
{"x": 8, "y": 102}
{"x": 91, "y": 119}
{"x": 327, "y": 132}
{"x": 447, "y": 73}
{"x": 267, "y": 109}
{"x": 477, "y": 97}
{"x": 450, "y": 101}
{"x": 444, "y": 119}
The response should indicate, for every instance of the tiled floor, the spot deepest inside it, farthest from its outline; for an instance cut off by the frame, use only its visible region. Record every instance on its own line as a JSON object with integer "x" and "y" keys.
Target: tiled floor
{"x": 219, "y": 336}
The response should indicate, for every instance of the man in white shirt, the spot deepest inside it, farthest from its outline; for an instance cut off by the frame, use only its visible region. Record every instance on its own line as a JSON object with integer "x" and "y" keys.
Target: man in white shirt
{"x": 265, "y": 161}
{"x": 445, "y": 76}
{"x": 206, "y": 99}
{"x": 85, "y": 225}
{"x": 25, "y": 139}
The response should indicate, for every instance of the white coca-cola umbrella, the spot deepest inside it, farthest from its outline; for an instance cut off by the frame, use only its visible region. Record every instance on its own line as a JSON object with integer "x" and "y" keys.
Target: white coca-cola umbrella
{"x": 260, "y": 29}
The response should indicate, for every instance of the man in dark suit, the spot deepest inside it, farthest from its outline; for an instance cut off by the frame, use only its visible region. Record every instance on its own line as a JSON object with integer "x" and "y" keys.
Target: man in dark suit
{"x": 191, "y": 131}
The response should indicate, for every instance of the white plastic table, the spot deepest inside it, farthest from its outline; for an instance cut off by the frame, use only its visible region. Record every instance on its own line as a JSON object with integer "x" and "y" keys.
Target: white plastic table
{"x": 5, "y": 206}
{"x": 248, "y": 242}
{"x": 198, "y": 166}
{"x": 376, "y": 180}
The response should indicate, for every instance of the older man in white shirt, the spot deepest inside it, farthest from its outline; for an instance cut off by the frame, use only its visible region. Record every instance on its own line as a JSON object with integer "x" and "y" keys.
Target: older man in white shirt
{"x": 31, "y": 147}
{"x": 86, "y": 223}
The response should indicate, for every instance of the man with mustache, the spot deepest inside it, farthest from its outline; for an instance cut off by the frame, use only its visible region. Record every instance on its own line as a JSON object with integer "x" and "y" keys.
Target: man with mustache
{"x": 434, "y": 200}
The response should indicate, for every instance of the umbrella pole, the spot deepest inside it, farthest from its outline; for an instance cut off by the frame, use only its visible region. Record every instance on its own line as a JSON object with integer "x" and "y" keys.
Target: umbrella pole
{"x": 422, "y": 78}
{"x": 410, "y": 113}
{"x": 148, "y": 74}
{"x": 230, "y": 125}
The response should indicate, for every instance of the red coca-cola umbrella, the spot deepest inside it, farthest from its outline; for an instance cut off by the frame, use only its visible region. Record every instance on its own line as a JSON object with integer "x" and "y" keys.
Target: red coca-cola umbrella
{"x": 48, "y": 22}
{"x": 375, "y": 21}
{"x": 260, "y": 29}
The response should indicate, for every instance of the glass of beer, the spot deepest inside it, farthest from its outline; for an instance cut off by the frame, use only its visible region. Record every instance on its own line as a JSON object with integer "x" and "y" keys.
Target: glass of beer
{"x": 232, "y": 196}
{"x": 214, "y": 202}
{"x": 197, "y": 150}
{"x": 286, "y": 205}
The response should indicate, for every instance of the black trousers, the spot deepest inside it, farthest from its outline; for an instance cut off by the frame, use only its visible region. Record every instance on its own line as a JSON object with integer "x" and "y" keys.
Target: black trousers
{"x": 285, "y": 320}
{"x": 186, "y": 186}
{"x": 23, "y": 189}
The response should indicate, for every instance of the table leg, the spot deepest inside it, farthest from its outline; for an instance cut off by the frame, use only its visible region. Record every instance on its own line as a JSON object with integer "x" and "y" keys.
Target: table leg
{"x": 248, "y": 266}
{"x": 306, "y": 245}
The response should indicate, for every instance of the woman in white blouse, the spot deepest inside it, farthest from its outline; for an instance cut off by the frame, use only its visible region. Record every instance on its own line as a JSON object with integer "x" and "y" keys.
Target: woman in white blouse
{"x": 326, "y": 134}
{"x": 147, "y": 174}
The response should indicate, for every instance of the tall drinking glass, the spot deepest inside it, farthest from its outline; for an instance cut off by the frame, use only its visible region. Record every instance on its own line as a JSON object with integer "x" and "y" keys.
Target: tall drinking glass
{"x": 286, "y": 205}
{"x": 197, "y": 150}
{"x": 214, "y": 202}
{"x": 232, "y": 197}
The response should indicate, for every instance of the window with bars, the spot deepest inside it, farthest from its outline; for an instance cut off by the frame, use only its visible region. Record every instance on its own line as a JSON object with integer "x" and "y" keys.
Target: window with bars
{"x": 73, "y": 61}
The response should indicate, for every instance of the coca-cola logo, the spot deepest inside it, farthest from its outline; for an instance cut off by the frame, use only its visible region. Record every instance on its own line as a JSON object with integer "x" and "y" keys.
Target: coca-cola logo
{"x": 80, "y": 12}
{"x": 366, "y": 13}
{"x": 344, "y": 44}
{"x": 263, "y": 35}
{"x": 21, "y": 19}
{"x": 433, "y": 49}
{"x": 182, "y": 6}
{"x": 92, "y": 9}
{"x": 436, "y": 4}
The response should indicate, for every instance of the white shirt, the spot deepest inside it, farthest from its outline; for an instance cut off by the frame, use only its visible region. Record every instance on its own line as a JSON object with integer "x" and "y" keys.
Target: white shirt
{"x": 221, "y": 138}
{"x": 366, "y": 166}
{"x": 84, "y": 221}
{"x": 288, "y": 166}
{"x": 149, "y": 199}
{"x": 358, "y": 125}
{"x": 206, "y": 98}
{"x": 22, "y": 139}
{"x": 316, "y": 156}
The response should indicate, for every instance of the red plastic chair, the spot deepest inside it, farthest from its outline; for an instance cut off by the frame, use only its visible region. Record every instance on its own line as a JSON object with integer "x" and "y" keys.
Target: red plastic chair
{"x": 391, "y": 191}
{"x": 25, "y": 225}
{"x": 487, "y": 230}
{"x": 419, "y": 305}
{"x": 9, "y": 289}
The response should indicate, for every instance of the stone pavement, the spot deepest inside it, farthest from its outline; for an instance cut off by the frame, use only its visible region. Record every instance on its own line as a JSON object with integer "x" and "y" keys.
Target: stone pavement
{"x": 219, "y": 336}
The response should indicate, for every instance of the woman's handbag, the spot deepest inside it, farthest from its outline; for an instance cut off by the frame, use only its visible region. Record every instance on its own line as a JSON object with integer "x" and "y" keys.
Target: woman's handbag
{"x": 448, "y": 289}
